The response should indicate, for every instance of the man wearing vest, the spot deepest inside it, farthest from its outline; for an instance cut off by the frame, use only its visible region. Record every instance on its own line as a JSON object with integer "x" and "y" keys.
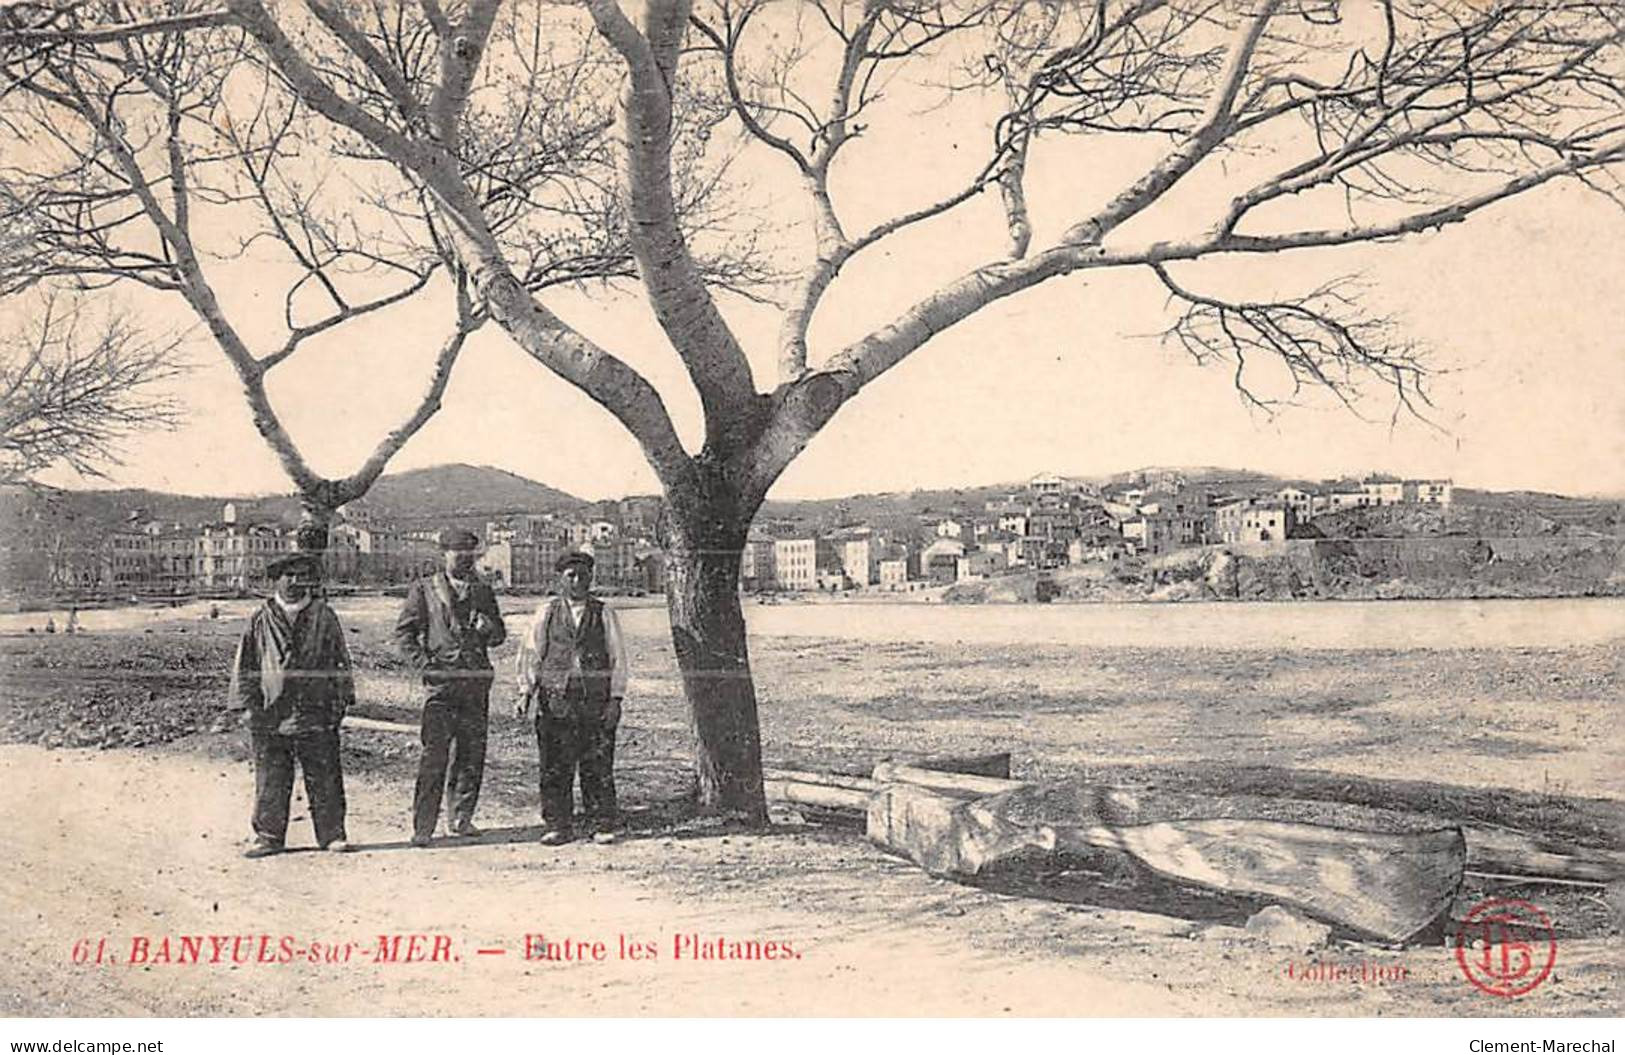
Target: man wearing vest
{"x": 447, "y": 623}
{"x": 572, "y": 677}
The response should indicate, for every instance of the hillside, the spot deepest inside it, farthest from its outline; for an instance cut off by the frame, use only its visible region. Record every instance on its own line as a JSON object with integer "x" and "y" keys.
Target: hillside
{"x": 900, "y": 511}
{"x": 469, "y": 495}
{"x": 1483, "y": 514}
{"x": 454, "y": 491}
{"x": 441, "y": 492}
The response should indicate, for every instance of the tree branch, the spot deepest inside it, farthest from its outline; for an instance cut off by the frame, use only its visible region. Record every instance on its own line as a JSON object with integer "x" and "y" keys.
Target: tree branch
{"x": 682, "y": 304}
{"x": 12, "y": 33}
{"x": 381, "y": 68}
{"x": 1455, "y": 212}
{"x": 460, "y": 55}
{"x": 315, "y": 92}
{"x": 299, "y": 334}
{"x": 1216, "y": 123}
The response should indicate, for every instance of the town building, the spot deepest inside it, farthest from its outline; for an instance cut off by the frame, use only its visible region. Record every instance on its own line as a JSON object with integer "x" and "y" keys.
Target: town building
{"x": 1383, "y": 490}
{"x": 234, "y": 556}
{"x": 1015, "y": 523}
{"x": 798, "y": 562}
{"x": 1047, "y": 484}
{"x": 174, "y": 561}
{"x": 1429, "y": 492}
{"x": 979, "y": 564}
{"x": 939, "y": 562}
{"x": 125, "y": 555}
{"x": 756, "y": 569}
{"x": 511, "y": 563}
{"x": 860, "y": 558}
{"x": 1152, "y": 535}
{"x": 615, "y": 563}
{"x": 1253, "y": 520}
{"x": 1097, "y": 545}
{"x": 893, "y": 572}
{"x": 1301, "y": 502}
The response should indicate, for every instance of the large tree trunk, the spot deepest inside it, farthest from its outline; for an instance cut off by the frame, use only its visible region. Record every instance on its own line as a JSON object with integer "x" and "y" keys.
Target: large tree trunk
{"x": 315, "y": 525}
{"x": 708, "y": 635}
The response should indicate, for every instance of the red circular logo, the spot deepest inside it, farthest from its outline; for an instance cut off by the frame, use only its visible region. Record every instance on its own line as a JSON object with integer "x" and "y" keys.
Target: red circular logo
{"x": 1506, "y": 947}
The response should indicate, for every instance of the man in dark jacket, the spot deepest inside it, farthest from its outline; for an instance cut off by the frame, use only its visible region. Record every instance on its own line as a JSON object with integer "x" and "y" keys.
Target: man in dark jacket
{"x": 572, "y": 677}
{"x": 291, "y": 678}
{"x": 448, "y": 622}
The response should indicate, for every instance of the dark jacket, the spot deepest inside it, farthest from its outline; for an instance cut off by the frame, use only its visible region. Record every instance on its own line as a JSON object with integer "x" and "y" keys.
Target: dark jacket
{"x": 435, "y": 631}
{"x": 294, "y": 676}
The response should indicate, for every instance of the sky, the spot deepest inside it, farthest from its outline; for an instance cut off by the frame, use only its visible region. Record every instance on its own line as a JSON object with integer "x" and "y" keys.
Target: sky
{"x": 1523, "y": 308}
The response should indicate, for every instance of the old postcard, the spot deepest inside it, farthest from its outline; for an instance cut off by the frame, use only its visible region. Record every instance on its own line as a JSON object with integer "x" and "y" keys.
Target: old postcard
{"x": 805, "y": 508}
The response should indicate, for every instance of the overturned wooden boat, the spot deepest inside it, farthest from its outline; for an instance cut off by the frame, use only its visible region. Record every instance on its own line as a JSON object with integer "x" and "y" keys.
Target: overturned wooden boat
{"x": 1374, "y": 873}
{"x": 1385, "y": 884}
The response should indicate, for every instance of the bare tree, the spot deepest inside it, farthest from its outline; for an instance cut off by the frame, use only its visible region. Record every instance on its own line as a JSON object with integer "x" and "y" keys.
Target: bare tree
{"x": 71, "y": 393}
{"x": 1378, "y": 121}
{"x": 159, "y": 159}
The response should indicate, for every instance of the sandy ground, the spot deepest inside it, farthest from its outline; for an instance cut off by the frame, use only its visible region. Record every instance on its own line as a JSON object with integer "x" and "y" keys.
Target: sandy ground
{"x": 122, "y": 845}
{"x": 127, "y": 843}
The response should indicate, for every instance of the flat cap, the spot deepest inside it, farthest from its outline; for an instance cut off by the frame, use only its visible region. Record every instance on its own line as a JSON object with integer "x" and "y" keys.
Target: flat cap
{"x": 459, "y": 539}
{"x": 575, "y": 557}
{"x": 294, "y": 563}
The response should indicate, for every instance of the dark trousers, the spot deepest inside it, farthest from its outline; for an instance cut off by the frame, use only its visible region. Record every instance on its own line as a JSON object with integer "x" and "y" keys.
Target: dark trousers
{"x": 318, "y": 756}
{"x": 567, "y": 745}
{"x": 455, "y": 723}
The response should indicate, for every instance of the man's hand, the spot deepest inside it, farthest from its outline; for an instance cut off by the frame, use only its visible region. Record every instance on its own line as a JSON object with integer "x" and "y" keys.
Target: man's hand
{"x": 521, "y": 704}
{"x": 612, "y": 713}
{"x": 482, "y": 624}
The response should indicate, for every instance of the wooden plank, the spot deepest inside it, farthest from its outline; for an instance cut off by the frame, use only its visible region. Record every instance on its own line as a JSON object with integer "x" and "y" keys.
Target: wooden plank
{"x": 804, "y": 794}
{"x": 1500, "y": 850}
{"x": 378, "y": 725}
{"x": 828, "y": 780}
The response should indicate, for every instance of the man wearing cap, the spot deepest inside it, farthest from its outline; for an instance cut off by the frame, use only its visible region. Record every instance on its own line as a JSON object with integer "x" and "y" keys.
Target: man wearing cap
{"x": 448, "y": 622}
{"x": 291, "y": 679}
{"x": 572, "y": 677}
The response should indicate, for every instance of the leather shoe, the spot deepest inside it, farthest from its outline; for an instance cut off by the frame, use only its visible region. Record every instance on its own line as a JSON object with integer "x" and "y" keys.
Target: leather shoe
{"x": 421, "y": 841}
{"x": 466, "y": 829}
{"x": 259, "y": 850}
{"x": 338, "y": 846}
{"x": 554, "y": 837}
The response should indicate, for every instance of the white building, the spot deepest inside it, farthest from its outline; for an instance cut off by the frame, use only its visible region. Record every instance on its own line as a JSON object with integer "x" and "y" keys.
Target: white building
{"x": 1301, "y": 502}
{"x": 979, "y": 564}
{"x": 797, "y": 562}
{"x": 1383, "y": 490}
{"x": 1429, "y": 492}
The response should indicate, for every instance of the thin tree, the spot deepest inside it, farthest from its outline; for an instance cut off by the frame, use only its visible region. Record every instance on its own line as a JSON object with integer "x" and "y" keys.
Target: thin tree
{"x": 1374, "y": 121}
{"x": 73, "y": 391}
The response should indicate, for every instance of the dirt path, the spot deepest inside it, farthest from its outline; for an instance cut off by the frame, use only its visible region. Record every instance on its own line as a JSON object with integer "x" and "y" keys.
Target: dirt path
{"x": 125, "y": 845}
